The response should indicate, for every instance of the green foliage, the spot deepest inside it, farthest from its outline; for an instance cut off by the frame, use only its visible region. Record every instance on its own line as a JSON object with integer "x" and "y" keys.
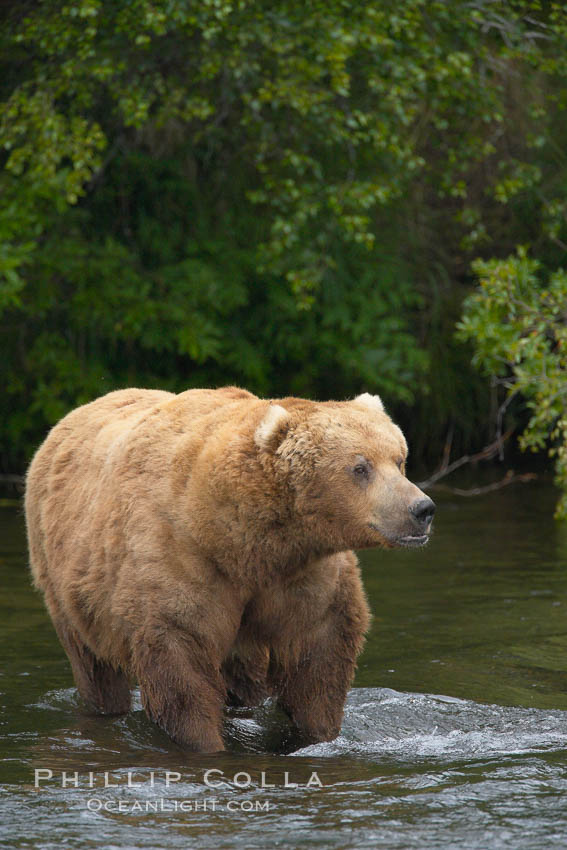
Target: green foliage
{"x": 519, "y": 328}
{"x": 325, "y": 103}
{"x": 181, "y": 307}
{"x": 281, "y": 195}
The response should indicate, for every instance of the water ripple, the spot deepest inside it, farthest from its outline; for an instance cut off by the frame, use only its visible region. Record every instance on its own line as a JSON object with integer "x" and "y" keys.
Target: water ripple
{"x": 380, "y": 722}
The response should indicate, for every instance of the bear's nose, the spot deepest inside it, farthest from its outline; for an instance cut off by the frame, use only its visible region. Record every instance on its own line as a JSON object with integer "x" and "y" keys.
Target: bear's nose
{"x": 422, "y": 511}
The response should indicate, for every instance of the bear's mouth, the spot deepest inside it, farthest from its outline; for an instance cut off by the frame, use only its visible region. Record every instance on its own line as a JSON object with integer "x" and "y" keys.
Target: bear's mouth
{"x": 411, "y": 540}
{"x": 407, "y": 540}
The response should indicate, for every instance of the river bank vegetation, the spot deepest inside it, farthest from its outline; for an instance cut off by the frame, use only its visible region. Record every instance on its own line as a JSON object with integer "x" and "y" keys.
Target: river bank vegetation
{"x": 292, "y": 197}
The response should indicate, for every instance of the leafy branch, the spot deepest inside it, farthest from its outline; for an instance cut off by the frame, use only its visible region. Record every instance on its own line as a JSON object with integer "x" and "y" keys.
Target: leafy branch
{"x": 518, "y": 326}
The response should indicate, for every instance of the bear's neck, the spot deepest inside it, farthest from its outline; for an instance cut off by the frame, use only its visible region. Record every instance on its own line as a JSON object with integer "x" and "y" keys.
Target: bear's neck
{"x": 245, "y": 516}
{"x": 261, "y": 547}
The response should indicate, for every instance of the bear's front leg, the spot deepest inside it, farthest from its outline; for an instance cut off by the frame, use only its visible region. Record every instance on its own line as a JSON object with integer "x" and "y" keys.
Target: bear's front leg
{"x": 181, "y": 687}
{"x": 312, "y": 677}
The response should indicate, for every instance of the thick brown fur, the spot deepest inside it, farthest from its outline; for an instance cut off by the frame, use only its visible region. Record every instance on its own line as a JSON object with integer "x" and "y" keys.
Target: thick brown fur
{"x": 200, "y": 543}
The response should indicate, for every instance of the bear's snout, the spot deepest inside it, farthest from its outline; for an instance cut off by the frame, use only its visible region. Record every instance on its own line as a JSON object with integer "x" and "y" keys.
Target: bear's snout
{"x": 422, "y": 512}
{"x": 421, "y": 516}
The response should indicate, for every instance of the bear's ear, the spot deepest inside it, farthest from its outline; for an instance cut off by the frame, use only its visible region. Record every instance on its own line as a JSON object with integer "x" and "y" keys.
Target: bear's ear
{"x": 374, "y": 402}
{"x": 272, "y": 427}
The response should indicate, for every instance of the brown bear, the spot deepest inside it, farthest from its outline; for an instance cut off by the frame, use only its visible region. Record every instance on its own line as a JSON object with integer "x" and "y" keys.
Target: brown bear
{"x": 201, "y": 543}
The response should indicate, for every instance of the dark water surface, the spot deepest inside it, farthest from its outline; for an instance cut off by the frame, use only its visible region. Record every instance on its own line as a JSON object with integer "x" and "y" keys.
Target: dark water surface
{"x": 454, "y": 736}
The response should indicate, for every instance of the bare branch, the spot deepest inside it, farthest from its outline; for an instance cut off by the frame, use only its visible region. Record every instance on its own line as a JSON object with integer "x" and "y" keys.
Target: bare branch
{"x": 500, "y": 439}
{"x": 509, "y": 478}
{"x": 18, "y": 480}
{"x": 487, "y": 453}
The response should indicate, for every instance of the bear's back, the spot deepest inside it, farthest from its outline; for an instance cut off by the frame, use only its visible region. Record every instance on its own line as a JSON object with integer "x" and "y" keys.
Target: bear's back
{"x": 101, "y": 462}
{"x": 131, "y": 426}
{"x": 90, "y": 430}
{"x": 78, "y": 433}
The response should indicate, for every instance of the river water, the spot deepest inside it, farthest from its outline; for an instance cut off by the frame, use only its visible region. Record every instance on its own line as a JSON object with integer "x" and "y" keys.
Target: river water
{"x": 455, "y": 734}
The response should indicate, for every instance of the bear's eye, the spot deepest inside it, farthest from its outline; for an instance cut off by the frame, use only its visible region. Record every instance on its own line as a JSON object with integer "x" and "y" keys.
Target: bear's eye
{"x": 401, "y": 464}
{"x": 361, "y": 470}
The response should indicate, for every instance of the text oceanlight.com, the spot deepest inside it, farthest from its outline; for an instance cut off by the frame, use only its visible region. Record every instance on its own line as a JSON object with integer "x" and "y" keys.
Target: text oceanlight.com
{"x": 199, "y": 800}
{"x": 164, "y": 804}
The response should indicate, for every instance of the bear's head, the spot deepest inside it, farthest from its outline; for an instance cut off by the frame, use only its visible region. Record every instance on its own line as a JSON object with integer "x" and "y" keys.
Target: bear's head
{"x": 343, "y": 464}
